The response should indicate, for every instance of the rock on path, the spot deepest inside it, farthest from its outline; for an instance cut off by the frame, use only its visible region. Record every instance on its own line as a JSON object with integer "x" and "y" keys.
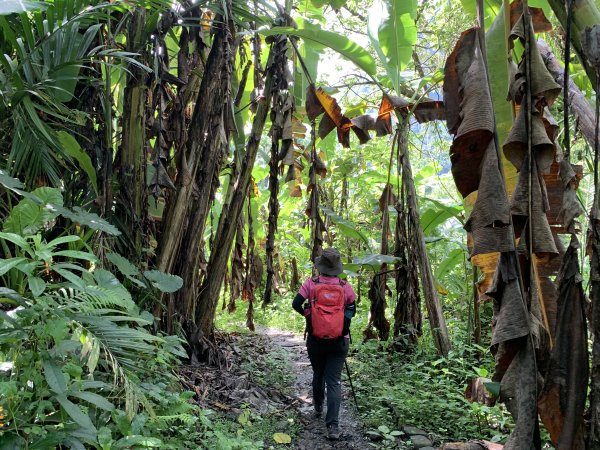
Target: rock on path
{"x": 314, "y": 436}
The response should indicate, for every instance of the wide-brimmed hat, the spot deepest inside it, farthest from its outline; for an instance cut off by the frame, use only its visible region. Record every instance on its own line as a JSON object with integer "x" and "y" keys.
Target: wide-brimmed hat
{"x": 329, "y": 263}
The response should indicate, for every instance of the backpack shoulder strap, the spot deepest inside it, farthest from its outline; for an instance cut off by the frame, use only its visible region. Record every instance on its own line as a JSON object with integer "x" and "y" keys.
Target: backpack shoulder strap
{"x": 316, "y": 280}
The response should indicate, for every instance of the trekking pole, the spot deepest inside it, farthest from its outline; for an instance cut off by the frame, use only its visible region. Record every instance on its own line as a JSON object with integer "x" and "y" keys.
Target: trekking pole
{"x": 351, "y": 386}
{"x": 350, "y": 378}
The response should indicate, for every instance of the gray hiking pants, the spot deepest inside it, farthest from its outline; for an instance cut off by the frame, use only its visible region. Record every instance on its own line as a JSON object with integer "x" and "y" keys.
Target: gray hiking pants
{"x": 327, "y": 360}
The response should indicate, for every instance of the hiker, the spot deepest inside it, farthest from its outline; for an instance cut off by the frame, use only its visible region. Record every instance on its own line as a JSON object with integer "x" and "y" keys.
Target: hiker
{"x": 329, "y": 309}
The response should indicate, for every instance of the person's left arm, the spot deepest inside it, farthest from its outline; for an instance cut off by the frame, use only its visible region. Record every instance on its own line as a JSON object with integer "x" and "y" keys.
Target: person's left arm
{"x": 298, "y": 303}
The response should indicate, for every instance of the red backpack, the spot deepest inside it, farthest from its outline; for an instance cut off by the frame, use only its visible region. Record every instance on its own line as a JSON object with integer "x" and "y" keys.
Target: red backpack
{"x": 327, "y": 310}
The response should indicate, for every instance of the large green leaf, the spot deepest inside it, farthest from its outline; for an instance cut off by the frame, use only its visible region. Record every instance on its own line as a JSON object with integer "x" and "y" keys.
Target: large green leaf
{"x": 394, "y": 21}
{"x": 437, "y": 215}
{"x": 373, "y": 261}
{"x": 137, "y": 440}
{"x": 341, "y": 44}
{"x": 310, "y": 52}
{"x": 493, "y": 8}
{"x": 346, "y": 227}
{"x": 498, "y": 70}
{"x": 75, "y": 413}
{"x": 7, "y": 264}
{"x": 10, "y": 183}
{"x": 164, "y": 282}
{"x": 30, "y": 216}
{"x": 54, "y": 377}
{"x": 19, "y": 6}
{"x": 73, "y": 149}
{"x": 37, "y": 286}
{"x": 94, "y": 399}
{"x": 126, "y": 267}
{"x": 456, "y": 256}
{"x": 88, "y": 219}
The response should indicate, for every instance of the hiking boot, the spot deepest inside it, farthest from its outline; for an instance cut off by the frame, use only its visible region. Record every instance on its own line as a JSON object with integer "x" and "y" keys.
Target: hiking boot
{"x": 318, "y": 410}
{"x": 333, "y": 432}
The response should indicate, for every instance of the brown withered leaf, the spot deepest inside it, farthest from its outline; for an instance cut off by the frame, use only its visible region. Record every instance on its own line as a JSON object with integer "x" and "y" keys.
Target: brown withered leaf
{"x": 571, "y": 206}
{"x": 361, "y": 126}
{"x": 428, "y": 109}
{"x": 387, "y": 198}
{"x": 543, "y": 240}
{"x": 343, "y": 133}
{"x": 514, "y": 353}
{"x": 489, "y": 221}
{"x": 325, "y": 126}
{"x": 515, "y": 146}
{"x": 543, "y": 86}
{"x": 540, "y": 23}
{"x": 456, "y": 65}
{"x": 563, "y": 397}
{"x": 290, "y": 153}
{"x": 313, "y": 106}
{"x": 320, "y": 167}
{"x": 468, "y": 109}
{"x": 298, "y": 128}
{"x": 331, "y": 107}
{"x": 389, "y": 103}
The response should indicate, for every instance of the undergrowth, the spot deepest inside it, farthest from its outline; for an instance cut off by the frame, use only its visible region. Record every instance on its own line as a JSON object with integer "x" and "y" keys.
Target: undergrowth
{"x": 419, "y": 389}
{"x": 423, "y": 390}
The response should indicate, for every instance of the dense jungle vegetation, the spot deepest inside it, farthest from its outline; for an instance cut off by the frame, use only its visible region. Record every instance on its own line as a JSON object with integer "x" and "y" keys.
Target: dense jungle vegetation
{"x": 169, "y": 170}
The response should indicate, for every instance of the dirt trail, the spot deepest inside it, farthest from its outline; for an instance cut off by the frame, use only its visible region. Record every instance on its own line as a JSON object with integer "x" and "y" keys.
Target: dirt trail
{"x": 314, "y": 436}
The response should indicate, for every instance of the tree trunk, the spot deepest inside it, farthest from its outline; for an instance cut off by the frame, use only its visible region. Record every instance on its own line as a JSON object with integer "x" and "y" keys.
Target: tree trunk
{"x": 133, "y": 143}
{"x": 585, "y": 14}
{"x": 594, "y": 431}
{"x": 432, "y": 302}
{"x": 198, "y": 169}
{"x": 209, "y": 292}
{"x": 476, "y": 310}
{"x": 273, "y": 215}
{"x": 578, "y": 104}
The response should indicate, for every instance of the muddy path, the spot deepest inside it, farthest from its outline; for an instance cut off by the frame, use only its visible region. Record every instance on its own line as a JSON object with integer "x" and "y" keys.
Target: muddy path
{"x": 314, "y": 436}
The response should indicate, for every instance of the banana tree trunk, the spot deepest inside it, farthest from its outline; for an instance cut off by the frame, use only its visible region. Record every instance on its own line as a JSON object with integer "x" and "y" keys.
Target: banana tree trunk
{"x": 585, "y": 14}
{"x": 273, "y": 216}
{"x": 133, "y": 144}
{"x": 198, "y": 168}
{"x": 432, "y": 302}
{"x": 207, "y": 300}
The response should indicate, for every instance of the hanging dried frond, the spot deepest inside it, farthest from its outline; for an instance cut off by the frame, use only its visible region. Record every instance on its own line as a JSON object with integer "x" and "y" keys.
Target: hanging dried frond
{"x": 237, "y": 266}
{"x": 281, "y": 133}
{"x": 563, "y": 397}
{"x": 377, "y": 319}
{"x": 594, "y": 254}
{"x": 378, "y": 288}
{"x": 253, "y": 272}
{"x": 317, "y": 225}
{"x": 571, "y": 206}
{"x": 544, "y": 89}
{"x": 319, "y": 102}
{"x": 295, "y": 278}
{"x": 539, "y": 21}
{"x": 469, "y": 112}
{"x": 407, "y": 314}
{"x": 513, "y": 348}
